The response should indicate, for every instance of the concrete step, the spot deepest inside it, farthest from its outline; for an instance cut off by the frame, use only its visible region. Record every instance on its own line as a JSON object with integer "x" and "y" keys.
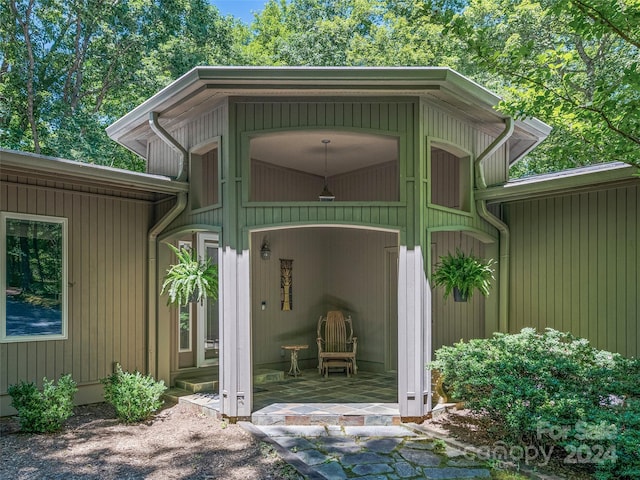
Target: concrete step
{"x": 209, "y": 383}
{"x": 265, "y": 375}
{"x": 197, "y": 384}
{"x": 348, "y": 414}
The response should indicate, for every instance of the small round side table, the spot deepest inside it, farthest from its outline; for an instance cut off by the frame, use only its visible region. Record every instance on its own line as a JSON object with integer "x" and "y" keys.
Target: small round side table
{"x": 294, "y": 349}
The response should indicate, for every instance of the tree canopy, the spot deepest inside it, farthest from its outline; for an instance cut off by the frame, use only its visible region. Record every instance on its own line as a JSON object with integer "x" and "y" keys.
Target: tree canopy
{"x": 68, "y": 69}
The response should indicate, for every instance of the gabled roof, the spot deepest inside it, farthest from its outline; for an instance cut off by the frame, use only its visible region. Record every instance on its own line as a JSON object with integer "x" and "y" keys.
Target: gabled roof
{"x": 205, "y": 86}
{"x": 60, "y": 170}
{"x": 565, "y": 182}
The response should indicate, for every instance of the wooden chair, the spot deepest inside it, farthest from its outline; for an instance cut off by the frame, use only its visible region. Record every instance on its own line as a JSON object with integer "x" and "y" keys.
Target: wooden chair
{"x": 336, "y": 344}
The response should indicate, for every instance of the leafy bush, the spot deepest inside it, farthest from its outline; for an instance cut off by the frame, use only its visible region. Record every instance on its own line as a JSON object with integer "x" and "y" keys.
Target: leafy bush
{"x": 554, "y": 391}
{"x": 43, "y": 411}
{"x": 134, "y": 396}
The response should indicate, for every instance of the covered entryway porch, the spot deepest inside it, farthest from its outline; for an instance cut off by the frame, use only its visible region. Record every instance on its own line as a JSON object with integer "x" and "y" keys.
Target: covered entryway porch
{"x": 300, "y": 273}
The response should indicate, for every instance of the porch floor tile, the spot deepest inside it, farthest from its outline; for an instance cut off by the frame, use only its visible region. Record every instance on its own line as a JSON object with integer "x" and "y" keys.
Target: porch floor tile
{"x": 363, "y": 399}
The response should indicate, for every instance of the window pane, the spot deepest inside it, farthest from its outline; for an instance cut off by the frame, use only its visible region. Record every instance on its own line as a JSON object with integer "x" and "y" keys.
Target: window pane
{"x": 212, "y": 343}
{"x": 33, "y": 277}
{"x": 185, "y": 328}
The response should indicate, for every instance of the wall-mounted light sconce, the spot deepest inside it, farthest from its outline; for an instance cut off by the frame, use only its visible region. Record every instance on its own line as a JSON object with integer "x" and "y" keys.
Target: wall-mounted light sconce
{"x": 265, "y": 251}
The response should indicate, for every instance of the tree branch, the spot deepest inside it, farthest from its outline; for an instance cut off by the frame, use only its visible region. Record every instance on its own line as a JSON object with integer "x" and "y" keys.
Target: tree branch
{"x": 31, "y": 69}
{"x": 593, "y": 13}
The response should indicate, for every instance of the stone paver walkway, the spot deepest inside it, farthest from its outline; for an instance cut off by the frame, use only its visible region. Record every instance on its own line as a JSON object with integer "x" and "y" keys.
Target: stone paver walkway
{"x": 368, "y": 452}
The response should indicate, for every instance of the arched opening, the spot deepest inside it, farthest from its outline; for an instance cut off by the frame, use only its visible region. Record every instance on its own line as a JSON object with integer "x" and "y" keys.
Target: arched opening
{"x": 333, "y": 267}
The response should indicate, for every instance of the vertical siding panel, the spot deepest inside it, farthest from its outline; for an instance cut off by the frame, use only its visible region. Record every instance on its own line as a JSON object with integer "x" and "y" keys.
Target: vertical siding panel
{"x": 101, "y": 321}
{"x": 586, "y": 281}
{"x": 92, "y": 248}
{"x": 312, "y": 114}
{"x": 50, "y": 367}
{"x": 83, "y": 245}
{"x": 119, "y": 247}
{"x": 79, "y": 300}
{"x": 89, "y": 350}
{"x": 140, "y": 307}
{"x": 633, "y": 271}
{"x": 591, "y": 283}
{"x": 621, "y": 266}
{"x": 551, "y": 268}
{"x": 71, "y": 291}
{"x": 541, "y": 237}
{"x": 110, "y": 255}
{"x": 602, "y": 277}
{"x": 527, "y": 267}
{"x": 578, "y": 300}
{"x": 40, "y": 208}
{"x": 130, "y": 340}
{"x": 58, "y": 211}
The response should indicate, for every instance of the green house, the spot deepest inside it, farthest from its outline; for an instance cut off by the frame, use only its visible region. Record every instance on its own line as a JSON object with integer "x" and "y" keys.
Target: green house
{"x": 348, "y": 182}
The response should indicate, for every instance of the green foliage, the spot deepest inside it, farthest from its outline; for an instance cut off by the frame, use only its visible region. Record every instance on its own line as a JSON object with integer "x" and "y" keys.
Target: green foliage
{"x": 465, "y": 272}
{"x": 134, "y": 396}
{"x": 43, "y": 411}
{"x": 69, "y": 69}
{"x": 573, "y": 64}
{"x": 190, "y": 277}
{"x": 552, "y": 390}
{"x": 439, "y": 446}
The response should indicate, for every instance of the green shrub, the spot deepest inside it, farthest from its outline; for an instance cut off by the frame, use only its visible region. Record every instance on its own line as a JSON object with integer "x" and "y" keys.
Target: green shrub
{"x": 554, "y": 391}
{"x": 46, "y": 410}
{"x": 134, "y": 396}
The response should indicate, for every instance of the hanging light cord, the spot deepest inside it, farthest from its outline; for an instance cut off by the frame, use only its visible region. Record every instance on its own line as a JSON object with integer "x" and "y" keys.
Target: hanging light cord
{"x": 326, "y": 145}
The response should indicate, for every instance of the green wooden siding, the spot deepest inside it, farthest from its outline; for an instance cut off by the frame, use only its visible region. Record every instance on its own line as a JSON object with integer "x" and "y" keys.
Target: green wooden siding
{"x": 107, "y": 284}
{"x": 575, "y": 266}
{"x": 455, "y": 321}
{"x": 395, "y": 117}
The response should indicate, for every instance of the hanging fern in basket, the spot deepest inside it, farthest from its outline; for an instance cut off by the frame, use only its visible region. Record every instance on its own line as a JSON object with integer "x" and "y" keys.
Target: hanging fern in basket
{"x": 190, "y": 279}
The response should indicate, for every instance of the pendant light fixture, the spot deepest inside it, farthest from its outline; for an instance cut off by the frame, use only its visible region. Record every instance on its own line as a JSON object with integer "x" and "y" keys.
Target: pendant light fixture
{"x": 326, "y": 195}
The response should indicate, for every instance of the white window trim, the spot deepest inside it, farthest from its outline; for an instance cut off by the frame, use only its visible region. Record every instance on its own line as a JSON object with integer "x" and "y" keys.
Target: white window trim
{"x": 3, "y": 277}
{"x": 204, "y": 240}
{"x": 180, "y": 349}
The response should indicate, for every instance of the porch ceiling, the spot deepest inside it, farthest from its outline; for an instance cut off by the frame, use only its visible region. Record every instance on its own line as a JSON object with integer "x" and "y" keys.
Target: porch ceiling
{"x": 305, "y": 151}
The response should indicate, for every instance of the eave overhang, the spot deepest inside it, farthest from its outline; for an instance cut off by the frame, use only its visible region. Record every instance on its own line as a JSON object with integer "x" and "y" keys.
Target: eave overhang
{"x": 204, "y": 85}
{"x": 61, "y": 170}
{"x": 562, "y": 183}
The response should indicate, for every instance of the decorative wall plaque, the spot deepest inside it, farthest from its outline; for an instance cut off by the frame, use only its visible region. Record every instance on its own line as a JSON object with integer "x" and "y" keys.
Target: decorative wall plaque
{"x": 286, "y": 284}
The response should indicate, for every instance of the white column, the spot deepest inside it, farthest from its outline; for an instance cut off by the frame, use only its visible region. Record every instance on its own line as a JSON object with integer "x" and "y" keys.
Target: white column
{"x": 414, "y": 334}
{"x": 235, "y": 333}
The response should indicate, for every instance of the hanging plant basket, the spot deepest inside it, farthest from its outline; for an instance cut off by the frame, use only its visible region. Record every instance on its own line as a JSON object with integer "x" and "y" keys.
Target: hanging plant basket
{"x": 190, "y": 279}
{"x": 458, "y": 296}
{"x": 462, "y": 274}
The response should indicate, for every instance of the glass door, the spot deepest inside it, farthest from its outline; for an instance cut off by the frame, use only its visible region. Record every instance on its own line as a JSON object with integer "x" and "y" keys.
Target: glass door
{"x": 208, "y": 337}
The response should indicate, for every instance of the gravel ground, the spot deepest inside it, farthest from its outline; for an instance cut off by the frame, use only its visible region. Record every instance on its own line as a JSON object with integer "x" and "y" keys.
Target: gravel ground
{"x": 176, "y": 443}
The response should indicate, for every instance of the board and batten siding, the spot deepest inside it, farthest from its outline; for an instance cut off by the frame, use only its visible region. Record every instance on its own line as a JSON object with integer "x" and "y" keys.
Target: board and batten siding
{"x": 272, "y": 183}
{"x": 454, "y": 321}
{"x": 446, "y": 129}
{"x": 443, "y": 126}
{"x": 390, "y": 117}
{"x": 107, "y": 278}
{"x": 575, "y": 266}
{"x": 163, "y": 160}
